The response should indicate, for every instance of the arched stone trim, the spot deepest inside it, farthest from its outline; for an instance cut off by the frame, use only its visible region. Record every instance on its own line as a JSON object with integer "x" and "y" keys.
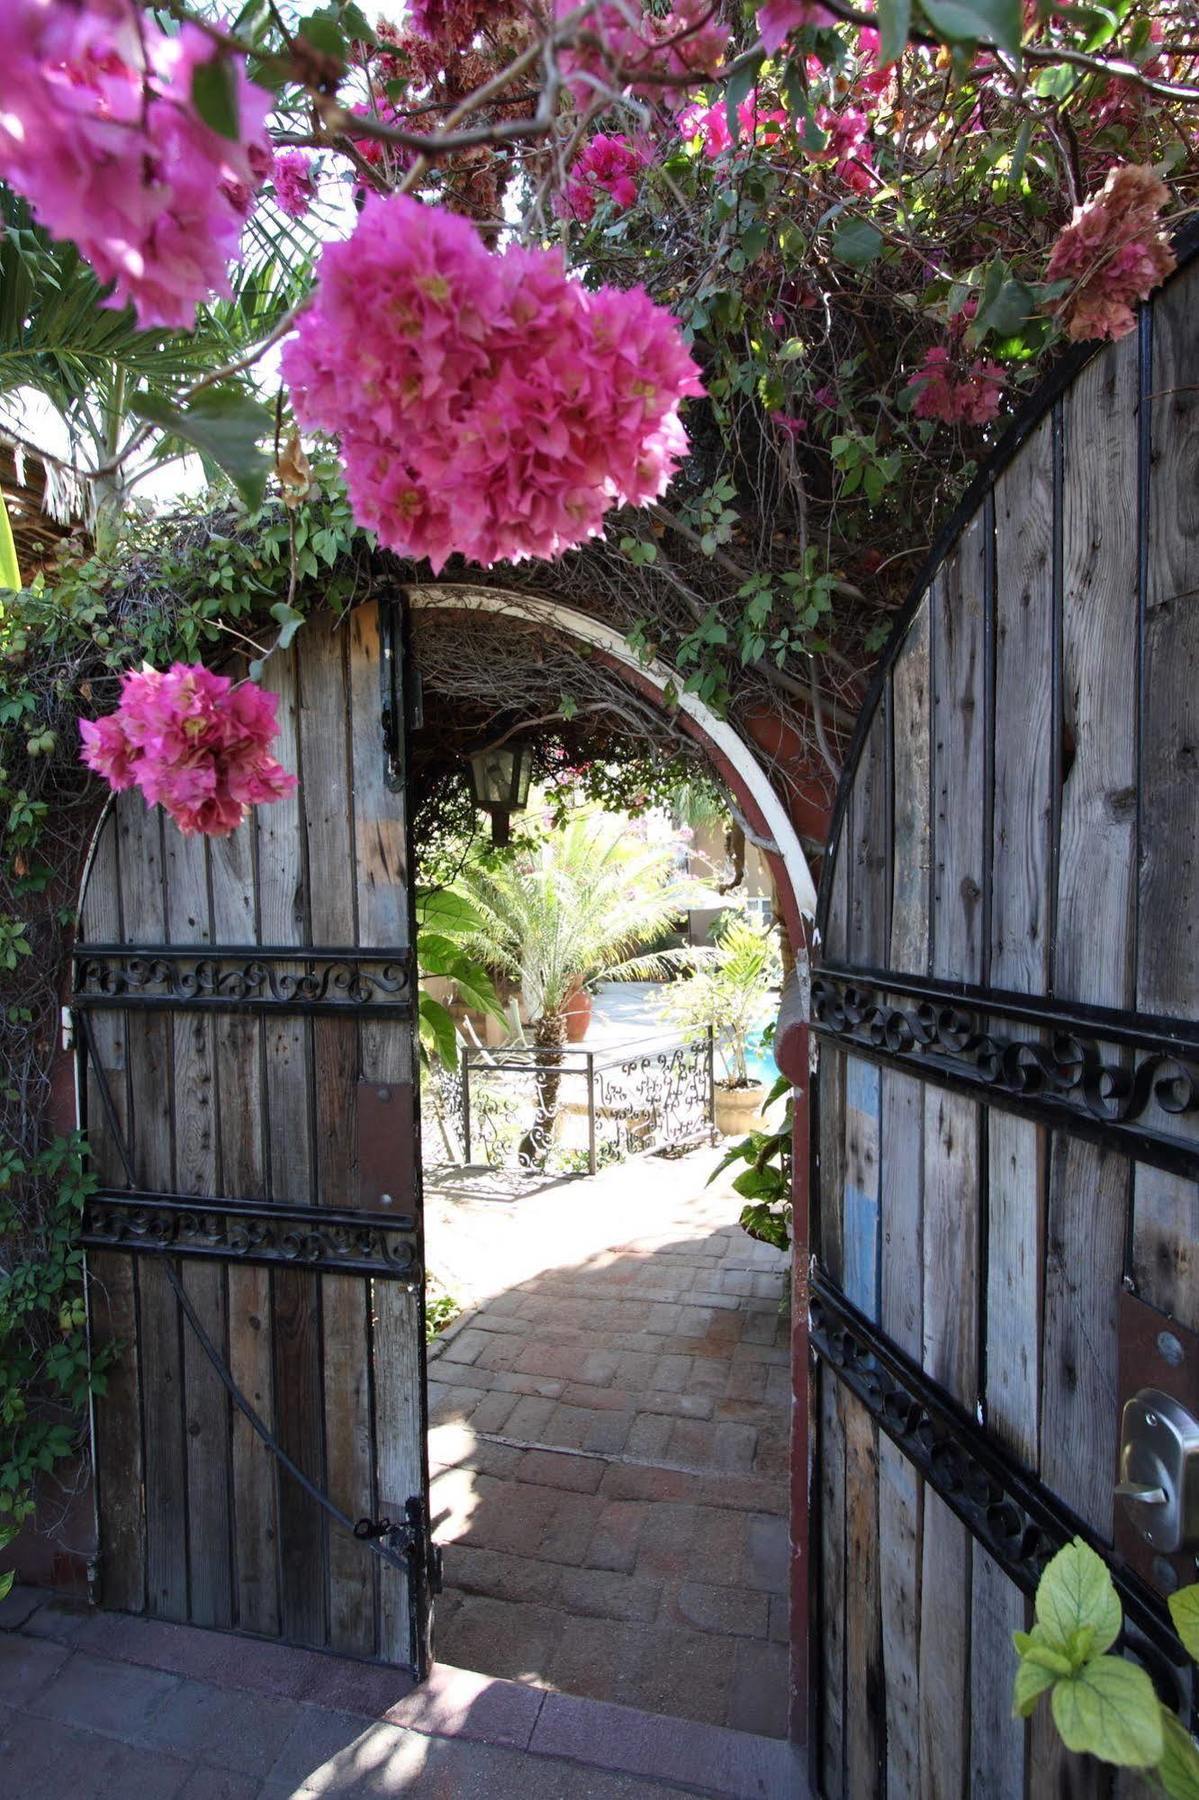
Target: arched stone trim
{"x": 732, "y": 749}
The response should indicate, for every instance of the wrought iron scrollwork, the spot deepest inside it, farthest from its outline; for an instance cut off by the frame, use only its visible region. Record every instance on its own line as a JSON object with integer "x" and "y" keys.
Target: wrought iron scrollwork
{"x": 1065, "y": 1073}
{"x": 657, "y": 1100}
{"x": 1016, "y": 1518}
{"x": 281, "y": 980}
{"x": 323, "y": 1240}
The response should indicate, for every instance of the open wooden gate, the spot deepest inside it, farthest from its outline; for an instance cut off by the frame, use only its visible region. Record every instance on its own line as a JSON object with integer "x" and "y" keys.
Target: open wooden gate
{"x": 245, "y": 1032}
{"x": 1007, "y": 1142}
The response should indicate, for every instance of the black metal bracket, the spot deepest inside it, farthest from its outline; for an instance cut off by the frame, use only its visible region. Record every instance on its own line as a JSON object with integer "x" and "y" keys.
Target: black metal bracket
{"x": 321, "y": 1239}
{"x": 1018, "y": 1520}
{"x": 392, "y": 690}
{"x": 968, "y": 1039}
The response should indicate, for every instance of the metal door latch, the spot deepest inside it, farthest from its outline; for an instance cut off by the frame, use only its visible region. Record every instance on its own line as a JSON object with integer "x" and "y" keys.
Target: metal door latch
{"x": 1159, "y": 1470}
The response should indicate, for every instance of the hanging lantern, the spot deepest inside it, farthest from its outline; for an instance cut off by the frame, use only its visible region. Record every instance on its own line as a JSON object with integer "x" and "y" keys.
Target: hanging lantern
{"x": 499, "y": 781}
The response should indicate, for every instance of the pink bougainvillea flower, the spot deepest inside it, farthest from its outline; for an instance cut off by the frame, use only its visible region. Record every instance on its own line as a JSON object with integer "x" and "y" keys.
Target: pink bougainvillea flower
{"x": 758, "y": 124}
{"x": 295, "y": 188}
{"x": 98, "y": 132}
{"x": 654, "y": 56}
{"x": 956, "y": 392}
{"x": 1114, "y": 253}
{"x": 779, "y": 18}
{"x": 848, "y": 149}
{"x": 606, "y": 165}
{"x": 486, "y": 405}
{"x": 193, "y": 743}
{"x": 876, "y": 76}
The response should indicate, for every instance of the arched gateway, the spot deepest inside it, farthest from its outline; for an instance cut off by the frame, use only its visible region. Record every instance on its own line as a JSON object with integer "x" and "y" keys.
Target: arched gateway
{"x": 246, "y": 1045}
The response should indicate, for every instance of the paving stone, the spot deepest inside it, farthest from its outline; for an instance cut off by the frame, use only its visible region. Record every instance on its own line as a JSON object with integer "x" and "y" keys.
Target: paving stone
{"x": 677, "y": 1406}
{"x": 568, "y": 1362}
{"x": 497, "y": 1574}
{"x": 465, "y": 1347}
{"x": 671, "y": 1372}
{"x": 493, "y": 1412}
{"x": 598, "y": 1658}
{"x": 649, "y": 1435}
{"x": 667, "y": 1541}
{"x": 768, "y": 1553}
{"x": 601, "y": 1594}
{"x": 528, "y": 1419}
{"x": 448, "y": 1402}
{"x": 575, "y": 1474}
{"x": 236, "y": 1731}
{"x": 747, "y": 1381}
{"x": 220, "y": 1784}
{"x": 19, "y": 1606}
{"x": 49, "y": 1760}
{"x": 498, "y": 1353}
{"x": 27, "y": 1665}
{"x": 758, "y": 1697}
{"x": 512, "y": 1639}
{"x": 725, "y": 1611}
{"x": 615, "y": 1540}
{"x": 698, "y": 1757}
{"x": 780, "y": 1619}
{"x": 98, "y": 1695}
{"x": 600, "y": 1399}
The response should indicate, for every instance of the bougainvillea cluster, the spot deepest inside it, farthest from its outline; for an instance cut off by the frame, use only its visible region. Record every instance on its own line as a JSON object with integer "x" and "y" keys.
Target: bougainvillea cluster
{"x": 655, "y": 56}
{"x": 757, "y": 121}
{"x": 486, "y": 405}
{"x": 605, "y": 165}
{"x": 195, "y": 743}
{"x": 957, "y": 390}
{"x": 779, "y": 18}
{"x": 295, "y": 187}
{"x": 1114, "y": 253}
{"x": 99, "y": 133}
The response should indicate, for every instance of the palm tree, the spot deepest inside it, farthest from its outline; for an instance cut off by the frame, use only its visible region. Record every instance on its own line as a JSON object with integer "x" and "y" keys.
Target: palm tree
{"x": 578, "y": 907}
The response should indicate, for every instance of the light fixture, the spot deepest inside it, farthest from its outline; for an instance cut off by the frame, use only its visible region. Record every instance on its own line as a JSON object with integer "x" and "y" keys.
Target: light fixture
{"x": 499, "y": 781}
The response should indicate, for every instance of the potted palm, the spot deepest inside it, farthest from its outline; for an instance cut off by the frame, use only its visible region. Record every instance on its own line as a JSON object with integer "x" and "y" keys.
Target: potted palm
{"x": 567, "y": 912}
{"x": 728, "y": 991}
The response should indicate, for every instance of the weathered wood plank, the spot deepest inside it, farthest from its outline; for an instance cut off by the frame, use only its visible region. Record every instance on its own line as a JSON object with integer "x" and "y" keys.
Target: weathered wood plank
{"x": 911, "y": 702}
{"x": 861, "y": 1213}
{"x": 870, "y": 878}
{"x": 901, "y": 1205}
{"x": 836, "y": 925}
{"x": 1016, "y": 1154}
{"x": 865, "y": 1717}
{"x": 1168, "y": 914}
{"x": 959, "y": 714}
{"x": 997, "y": 1740}
{"x": 944, "y": 1653}
{"x": 238, "y": 1047}
{"x": 388, "y": 1056}
{"x": 330, "y": 808}
{"x": 206, "y": 1415}
{"x": 833, "y": 1784}
{"x": 149, "y": 1047}
{"x": 900, "y": 1504}
{"x": 1021, "y": 901}
{"x": 832, "y": 1161}
{"x": 1165, "y": 1245}
{"x": 295, "y": 1346}
{"x": 1096, "y": 865}
{"x": 112, "y": 1303}
{"x": 1084, "y": 1262}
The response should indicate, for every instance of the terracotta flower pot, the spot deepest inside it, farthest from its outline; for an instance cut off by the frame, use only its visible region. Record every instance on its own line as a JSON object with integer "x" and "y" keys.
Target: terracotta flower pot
{"x": 737, "y": 1111}
{"x": 577, "y": 1013}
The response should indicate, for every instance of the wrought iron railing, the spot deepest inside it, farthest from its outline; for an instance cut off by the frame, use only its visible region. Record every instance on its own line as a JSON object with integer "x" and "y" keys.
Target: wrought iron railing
{"x": 516, "y": 1104}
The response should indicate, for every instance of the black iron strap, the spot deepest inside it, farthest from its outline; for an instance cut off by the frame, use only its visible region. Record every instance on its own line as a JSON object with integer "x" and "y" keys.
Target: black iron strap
{"x": 321, "y": 1239}
{"x": 1019, "y": 1521}
{"x": 1068, "y": 1079}
{"x": 300, "y": 979}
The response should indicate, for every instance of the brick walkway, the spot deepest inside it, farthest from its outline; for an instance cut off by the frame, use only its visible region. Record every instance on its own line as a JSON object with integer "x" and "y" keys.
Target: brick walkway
{"x": 96, "y": 1706}
{"x": 609, "y": 1445}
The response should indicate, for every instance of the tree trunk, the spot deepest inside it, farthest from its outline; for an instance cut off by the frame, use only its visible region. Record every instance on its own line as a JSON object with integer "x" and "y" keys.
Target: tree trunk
{"x": 549, "y": 1035}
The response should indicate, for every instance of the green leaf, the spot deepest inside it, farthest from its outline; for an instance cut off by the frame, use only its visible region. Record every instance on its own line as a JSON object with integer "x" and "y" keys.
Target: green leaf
{"x": 736, "y": 90}
{"x": 856, "y": 242}
{"x": 288, "y": 621}
{"x": 894, "y": 24}
{"x": 222, "y": 424}
{"x": 1184, "y": 1610}
{"x": 1110, "y": 1710}
{"x": 1178, "y": 1770}
{"x": 437, "y": 909}
{"x": 1035, "y": 1648}
{"x": 214, "y": 95}
{"x": 10, "y": 569}
{"x": 977, "y": 22}
{"x": 1076, "y": 1591}
{"x": 437, "y": 1030}
{"x": 1031, "y": 1682}
{"x": 325, "y": 35}
{"x": 355, "y": 22}
{"x": 6, "y": 1581}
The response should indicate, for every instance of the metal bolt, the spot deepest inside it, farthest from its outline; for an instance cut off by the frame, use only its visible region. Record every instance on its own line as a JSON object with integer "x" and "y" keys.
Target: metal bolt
{"x": 1170, "y": 1348}
{"x": 1150, "y": 1418}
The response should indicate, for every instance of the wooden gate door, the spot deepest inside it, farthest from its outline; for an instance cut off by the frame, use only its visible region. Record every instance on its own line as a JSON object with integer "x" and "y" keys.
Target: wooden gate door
{"x": 1007, "y": 1141}
{"x": 246, "y": 1041}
